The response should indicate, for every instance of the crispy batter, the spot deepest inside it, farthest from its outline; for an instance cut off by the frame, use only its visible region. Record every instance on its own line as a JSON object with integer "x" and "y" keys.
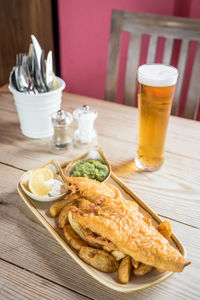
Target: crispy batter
{"x": 92, "y": 190}
{"x": 119, "y": 221}
{"x": 79, "y": 230}
{"x": 165, "y": 230}
{"x": 93, "y": 238}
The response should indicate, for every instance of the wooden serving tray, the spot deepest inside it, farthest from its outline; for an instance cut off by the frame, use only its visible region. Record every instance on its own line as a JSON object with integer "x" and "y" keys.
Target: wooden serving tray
{"x": 41, "y": 211}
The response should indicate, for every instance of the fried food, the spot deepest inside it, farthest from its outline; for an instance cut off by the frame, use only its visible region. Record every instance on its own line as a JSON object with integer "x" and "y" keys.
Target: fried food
{"x": 92, "y": 190}
{"x": 118, "y": 221}
{"x": 142, "y": 270}
{"x": 63, "y": 215}
{"x": 95, "y": 239}
{"x": 124, "y": 270}
{"x": 118, "y": 255}
{"x": 79, "y": 230}
{"x": 76, "y": 227}
{"x": 99, "y": 259}
{"x": 165, "y": 229}
{"x": 82, "y": 187}
{"x": 135, "y": 263}
{"x": 57, "y": 206}
{"x": 160, "y": 270}
{"x": 100, "y": 218}
{"x": 117, "y": 193}
{"x": 108, "y": 249}
{"x": 73, "y": 238}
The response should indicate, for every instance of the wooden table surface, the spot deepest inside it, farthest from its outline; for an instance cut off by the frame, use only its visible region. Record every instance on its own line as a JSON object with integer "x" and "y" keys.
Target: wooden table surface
{"x": 34, "y": 266}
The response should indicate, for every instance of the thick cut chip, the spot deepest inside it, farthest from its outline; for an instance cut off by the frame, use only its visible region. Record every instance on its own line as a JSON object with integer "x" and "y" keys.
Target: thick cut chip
{"x": 165, "y": 229}
{"x": 73, "y": 239}
{"x": 124, "y": 270}
{"x": 56, "y": 207}
{"x": 118, "y": 255}
{"x": 142, "y": 270}
{"x": 63, "y": 216}
{"x": 99, "y": 259}
{"x": 135, "y": 263}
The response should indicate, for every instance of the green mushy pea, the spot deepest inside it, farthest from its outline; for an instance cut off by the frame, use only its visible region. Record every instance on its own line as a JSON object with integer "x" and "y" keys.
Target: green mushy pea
{"x": 91, "y": 168}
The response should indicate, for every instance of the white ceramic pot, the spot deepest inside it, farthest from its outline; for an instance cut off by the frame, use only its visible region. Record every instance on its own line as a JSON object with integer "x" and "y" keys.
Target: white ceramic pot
{"x": 35, "y": 110}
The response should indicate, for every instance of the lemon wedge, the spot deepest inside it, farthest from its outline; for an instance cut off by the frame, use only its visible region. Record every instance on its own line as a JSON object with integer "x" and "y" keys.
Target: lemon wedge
{"x": 37, "y": 181}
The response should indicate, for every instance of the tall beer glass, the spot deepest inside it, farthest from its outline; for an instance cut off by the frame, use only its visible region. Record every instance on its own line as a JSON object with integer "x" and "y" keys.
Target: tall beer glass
{"x": 156, "y": 86}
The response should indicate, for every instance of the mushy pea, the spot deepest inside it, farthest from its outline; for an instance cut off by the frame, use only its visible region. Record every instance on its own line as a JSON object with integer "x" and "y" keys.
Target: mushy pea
{"x": 91, "y": 168}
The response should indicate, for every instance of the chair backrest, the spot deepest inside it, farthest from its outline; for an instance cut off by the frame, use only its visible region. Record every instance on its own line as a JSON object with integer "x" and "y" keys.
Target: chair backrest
{"x": 155, "y": 26}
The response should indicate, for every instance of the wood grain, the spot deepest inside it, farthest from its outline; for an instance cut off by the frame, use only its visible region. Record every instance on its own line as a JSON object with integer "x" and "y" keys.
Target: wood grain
{"x": 192, "y": 104}
{"x": 168, "y": 51}
{"x": 171, "y": 182}
{"x": 12, "y": 279}
{"x": 173, "y": 192}
{"x": 18, "y": 20}
{"x": 113, "y": 57}
{"x": 152, "y": 49}
{"x": 29, "y": 245}
{"x": 168, "y": 27}
{"x": 132, "y": 64}
{"x": 181, "y": 68}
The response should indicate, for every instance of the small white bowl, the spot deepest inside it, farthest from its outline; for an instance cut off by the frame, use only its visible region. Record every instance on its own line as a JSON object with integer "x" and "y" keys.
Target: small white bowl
{"x": 58, "y": 174}
{"x": 95, "y": 153}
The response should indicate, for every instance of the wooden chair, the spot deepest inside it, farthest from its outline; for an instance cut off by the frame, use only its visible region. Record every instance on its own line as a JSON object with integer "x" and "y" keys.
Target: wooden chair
{"x": 155, "y": 26}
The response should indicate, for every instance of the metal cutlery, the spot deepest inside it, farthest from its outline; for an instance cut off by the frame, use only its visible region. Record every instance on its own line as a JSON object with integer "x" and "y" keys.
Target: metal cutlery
{"x": 12, "y": 80}
{"x": 32, "y": 74}
{"x": 43, "y": 71}
{"x": 22, "y": 75}
{"x": 41, "y": 86}
{"x": 49, "y": 70}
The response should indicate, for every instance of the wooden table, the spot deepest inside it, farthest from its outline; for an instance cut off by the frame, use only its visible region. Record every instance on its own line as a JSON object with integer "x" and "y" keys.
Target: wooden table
{"x": 34, "y": 266}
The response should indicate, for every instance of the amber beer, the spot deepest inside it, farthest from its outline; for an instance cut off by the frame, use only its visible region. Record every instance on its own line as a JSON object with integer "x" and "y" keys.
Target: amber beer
{"x": 156, "y": 86}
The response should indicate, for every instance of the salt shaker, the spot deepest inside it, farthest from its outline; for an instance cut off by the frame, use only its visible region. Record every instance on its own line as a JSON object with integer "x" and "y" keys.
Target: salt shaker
{"x": 85, "y": 134}
{"x": 61, "y": 121}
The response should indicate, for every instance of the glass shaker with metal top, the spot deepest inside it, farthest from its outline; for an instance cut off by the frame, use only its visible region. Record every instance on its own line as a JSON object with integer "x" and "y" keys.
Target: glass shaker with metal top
{"x": 85, "y": 134}
{"x": 61, "y": 121}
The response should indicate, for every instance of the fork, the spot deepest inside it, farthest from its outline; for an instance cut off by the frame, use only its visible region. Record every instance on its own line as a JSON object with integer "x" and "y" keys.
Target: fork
{"x": 23, "y": 78}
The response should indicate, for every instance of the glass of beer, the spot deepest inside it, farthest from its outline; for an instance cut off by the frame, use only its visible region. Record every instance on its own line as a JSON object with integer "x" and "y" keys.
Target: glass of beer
{"x": 156, "y": 86}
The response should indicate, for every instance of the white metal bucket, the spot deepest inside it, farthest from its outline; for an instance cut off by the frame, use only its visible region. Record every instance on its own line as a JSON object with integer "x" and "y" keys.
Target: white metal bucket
{"x": 35, "y": 110}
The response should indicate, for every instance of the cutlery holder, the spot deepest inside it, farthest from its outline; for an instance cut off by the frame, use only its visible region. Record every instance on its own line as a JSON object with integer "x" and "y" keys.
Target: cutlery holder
{"x": 35, "y": 110}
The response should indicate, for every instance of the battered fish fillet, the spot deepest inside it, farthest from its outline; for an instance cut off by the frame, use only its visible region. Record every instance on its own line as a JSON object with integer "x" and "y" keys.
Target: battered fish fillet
{"x": 83, "y": 187}
{"x": 118, "y": 221}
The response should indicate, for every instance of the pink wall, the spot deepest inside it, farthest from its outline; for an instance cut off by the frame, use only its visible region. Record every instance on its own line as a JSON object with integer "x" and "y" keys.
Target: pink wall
{"x": 84, "y": 35}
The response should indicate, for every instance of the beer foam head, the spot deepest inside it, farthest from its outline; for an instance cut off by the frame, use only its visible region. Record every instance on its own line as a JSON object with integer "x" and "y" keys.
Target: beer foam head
{"x": 157, "y": 75}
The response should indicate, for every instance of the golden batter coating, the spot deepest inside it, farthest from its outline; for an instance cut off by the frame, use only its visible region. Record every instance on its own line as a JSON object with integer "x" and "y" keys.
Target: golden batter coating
{"x": 83, "y": 187}
{"x": 118, "y": 220}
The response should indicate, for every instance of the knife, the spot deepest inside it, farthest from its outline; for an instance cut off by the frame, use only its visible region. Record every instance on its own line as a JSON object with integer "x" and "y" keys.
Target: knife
{"x": 38, "y": 69}
{"x": 49, "y": 70}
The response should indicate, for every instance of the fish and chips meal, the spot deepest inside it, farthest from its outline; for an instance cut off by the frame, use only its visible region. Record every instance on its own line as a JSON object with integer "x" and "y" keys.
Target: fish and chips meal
{"x": 109, "y": 233}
